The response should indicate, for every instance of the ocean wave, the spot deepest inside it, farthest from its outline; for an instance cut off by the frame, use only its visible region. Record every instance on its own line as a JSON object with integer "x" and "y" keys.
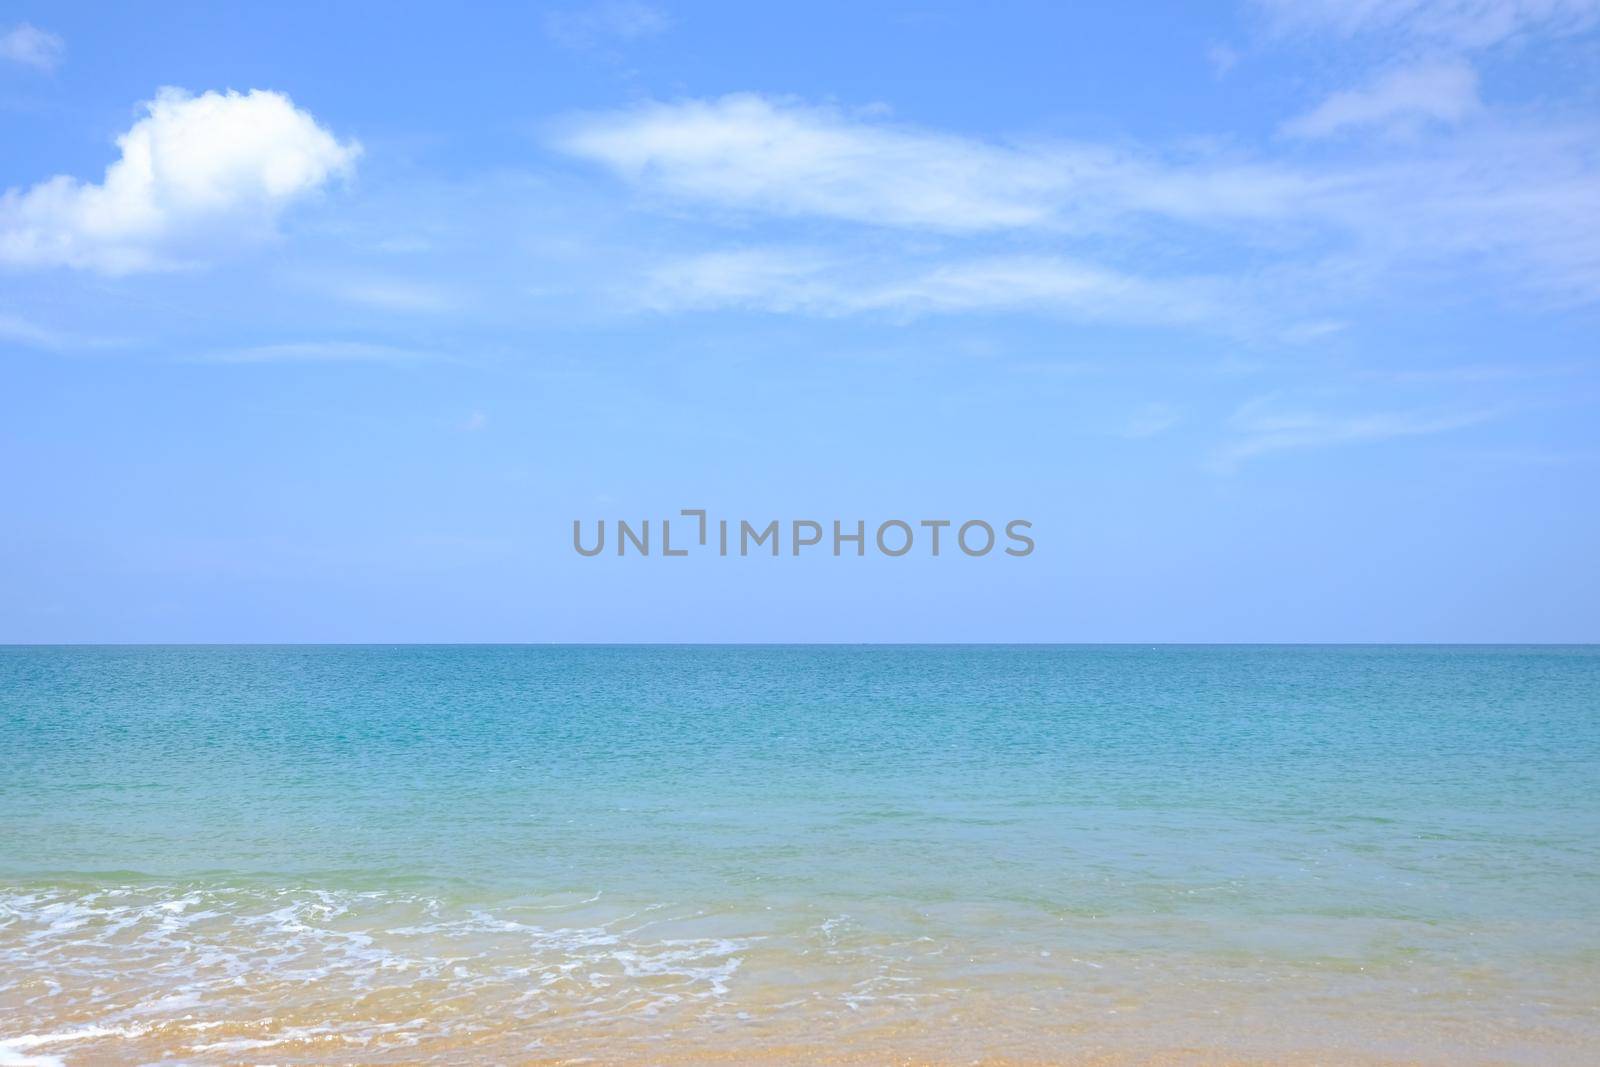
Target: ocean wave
{"x": 206, "y": 973}
{"x": 223, "y": 971}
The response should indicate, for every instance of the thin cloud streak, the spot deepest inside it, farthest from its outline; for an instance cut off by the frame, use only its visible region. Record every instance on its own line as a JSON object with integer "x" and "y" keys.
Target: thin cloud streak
{"x": 18, "y": 330}
{"x": 319, "y": 352}
{"x": 1456, "y": 23}
{"x": 398, "y": 295}
{"x": 784, "y": 157}
{"x": 1262, "y": 427}
{"x": 810, "y": 282}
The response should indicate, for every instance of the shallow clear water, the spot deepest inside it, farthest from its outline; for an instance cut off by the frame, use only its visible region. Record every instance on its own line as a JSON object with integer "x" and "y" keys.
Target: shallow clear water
{"x": 304, "y": 854}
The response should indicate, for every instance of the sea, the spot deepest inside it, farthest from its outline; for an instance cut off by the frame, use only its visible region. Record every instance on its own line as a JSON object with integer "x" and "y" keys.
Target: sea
{"x": 1031, "y": 854}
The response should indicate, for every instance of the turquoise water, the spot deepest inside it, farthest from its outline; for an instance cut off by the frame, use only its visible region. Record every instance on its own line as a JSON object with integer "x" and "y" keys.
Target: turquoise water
{"x": 1389, "y": 851}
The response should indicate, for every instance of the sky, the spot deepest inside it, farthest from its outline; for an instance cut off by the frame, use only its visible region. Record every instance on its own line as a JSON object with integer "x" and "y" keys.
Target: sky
{"x": 1277, "y": 321}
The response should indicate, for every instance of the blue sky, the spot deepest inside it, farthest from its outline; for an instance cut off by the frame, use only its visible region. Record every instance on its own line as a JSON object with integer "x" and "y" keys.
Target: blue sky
{"x": 1277, "y": 320}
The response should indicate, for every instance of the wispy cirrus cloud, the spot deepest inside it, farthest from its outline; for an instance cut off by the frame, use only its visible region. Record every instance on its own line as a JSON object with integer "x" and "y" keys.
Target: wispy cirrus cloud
{"x": 786, "y": 157}
{"x": 17, "y": 330}
{"x": 1223, "y": 58}
{"x": 1519, "y": 201}
{"x": 24, "y": 331}
{"x": 319, "y": 352}
{"x": 395, "y": 294}
{"x": 789, "y": 158}
{"x": 605, "y": 23}
{"x": 1457, "y": 23}
{"x": 1268, "y": 424}
{"x": 811, "y": 282}
{"x": 29, "y": 46}
{"x": 1405, "y": 98}
{"x": 1428, "y": 79}
{"x": 1151, "y": 420}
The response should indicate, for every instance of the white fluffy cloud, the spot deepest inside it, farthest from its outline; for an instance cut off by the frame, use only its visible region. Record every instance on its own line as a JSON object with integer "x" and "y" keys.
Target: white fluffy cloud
{"x": 1439, "y": 92}
{"x": 31, "y": 47}
{"x": 195, "y": 172}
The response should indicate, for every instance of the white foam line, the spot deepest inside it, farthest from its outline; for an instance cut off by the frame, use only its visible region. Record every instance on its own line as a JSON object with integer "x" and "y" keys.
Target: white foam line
{"x": 12, "y": 1052}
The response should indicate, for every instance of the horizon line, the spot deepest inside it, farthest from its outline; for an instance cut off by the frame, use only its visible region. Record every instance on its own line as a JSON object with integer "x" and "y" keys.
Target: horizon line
{"x": 799, "y": 644}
